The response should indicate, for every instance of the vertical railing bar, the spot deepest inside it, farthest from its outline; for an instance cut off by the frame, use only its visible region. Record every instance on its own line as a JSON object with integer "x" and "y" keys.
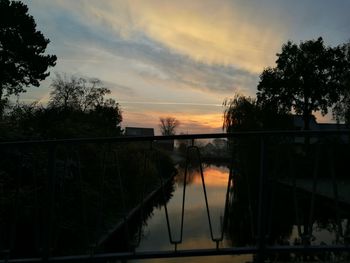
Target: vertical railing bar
{"x": 250, "y": 206}
{"x": 261, "y": 205}
{"x": 6, "y": 255}
{"x": 122, "y": 195}
{"x": 314, "y": 189}
{"x": 272, "y": 182}
{"x": 82, "y": 197}
{"x": 36, "y": 206}
{"x": 143, "y": 183}
{"x": 50, "y": 209}
{"x": 101, "y": 198}
{"x": 339, "y": 231}
{"x": 18, "y": 178}
{"x": 295, "y": 199}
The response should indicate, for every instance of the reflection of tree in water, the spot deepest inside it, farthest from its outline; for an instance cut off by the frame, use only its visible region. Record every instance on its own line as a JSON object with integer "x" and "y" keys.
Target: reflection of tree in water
{"x": 191, "y": 166}
{"x": 291, "y": 218}
{"x": 192, "y": 173}
{"x": 129, "y": 235}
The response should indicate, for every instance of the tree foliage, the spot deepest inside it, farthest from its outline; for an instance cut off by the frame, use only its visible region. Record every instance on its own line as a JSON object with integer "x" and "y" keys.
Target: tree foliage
{"x": 245, "y": 114}
{"x": 77, "y": 108}
{"x": 78, "y": 93}
{"x": 22, "y": 47}
{"x": 240, "y": 114}
{"x": 307, "y": 78}
{"x": 168, "y": 125}
{"x": 341, "y": 109}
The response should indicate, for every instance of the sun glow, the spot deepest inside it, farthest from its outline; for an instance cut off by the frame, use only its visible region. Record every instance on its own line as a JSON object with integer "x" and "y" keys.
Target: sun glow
{"x": 189, "y": 122}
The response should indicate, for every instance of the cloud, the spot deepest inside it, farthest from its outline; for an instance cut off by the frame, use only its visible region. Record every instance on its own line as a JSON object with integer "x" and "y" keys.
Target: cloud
{"x": 119, "y": 89}
{"x": 175, "y": 54}
{"x": 88, "y": 40}
{"x": 193, "y": 29}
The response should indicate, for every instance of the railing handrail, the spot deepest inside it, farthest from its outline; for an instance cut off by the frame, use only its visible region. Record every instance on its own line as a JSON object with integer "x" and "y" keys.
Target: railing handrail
{"x": 289, "y": 133}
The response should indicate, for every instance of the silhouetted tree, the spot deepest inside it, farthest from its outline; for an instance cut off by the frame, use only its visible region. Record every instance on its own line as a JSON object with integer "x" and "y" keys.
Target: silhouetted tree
{"x": 341, "y": 110}
{"x": 22, "y": 47}
{"x": 305, "y": 79}
{"x": 66, "y": 91}
{"x": 77, "y": 93}
{"x": 168, "y": 125}
{"x": 77, "y": 108}
{"x": 244, "y": 113}
{"x": 240, "y": 114}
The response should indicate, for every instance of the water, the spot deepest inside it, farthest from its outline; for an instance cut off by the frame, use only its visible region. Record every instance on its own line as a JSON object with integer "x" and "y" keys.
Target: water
{"x": 241, "y": 230}
{"x": 196, "y": 233}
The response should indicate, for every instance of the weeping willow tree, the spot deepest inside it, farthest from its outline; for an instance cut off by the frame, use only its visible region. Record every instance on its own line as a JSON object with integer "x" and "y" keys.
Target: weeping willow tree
{"x": 247, "y": 114}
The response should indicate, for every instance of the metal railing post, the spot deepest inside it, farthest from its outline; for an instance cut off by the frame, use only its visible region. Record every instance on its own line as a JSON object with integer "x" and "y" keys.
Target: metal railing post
{"x": 261, "y": 244}
{"x": 50, "y": 202}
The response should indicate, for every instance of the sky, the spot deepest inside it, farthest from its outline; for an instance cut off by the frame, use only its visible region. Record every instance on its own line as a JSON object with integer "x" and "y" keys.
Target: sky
{"x": 178, "y": 58}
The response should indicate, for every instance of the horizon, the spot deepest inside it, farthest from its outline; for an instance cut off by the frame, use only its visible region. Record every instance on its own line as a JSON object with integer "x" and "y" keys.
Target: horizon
{"x": 179, "y": 59}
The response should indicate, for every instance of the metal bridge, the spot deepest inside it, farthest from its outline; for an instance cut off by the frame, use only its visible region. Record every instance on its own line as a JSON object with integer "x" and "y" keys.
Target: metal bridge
{"x": 54, "y": 190}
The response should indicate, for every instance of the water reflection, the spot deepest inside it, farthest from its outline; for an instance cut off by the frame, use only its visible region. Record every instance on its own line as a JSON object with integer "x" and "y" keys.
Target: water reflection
{"x": 288, "y": 217}
{"x": 196, "y": 233}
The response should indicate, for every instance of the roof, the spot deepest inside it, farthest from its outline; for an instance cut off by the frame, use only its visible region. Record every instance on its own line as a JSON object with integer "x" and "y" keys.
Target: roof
{"x": 138, "y": 131}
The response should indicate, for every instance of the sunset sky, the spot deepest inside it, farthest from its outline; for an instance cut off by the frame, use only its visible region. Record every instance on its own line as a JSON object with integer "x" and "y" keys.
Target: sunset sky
{"x": 178, "y": 58}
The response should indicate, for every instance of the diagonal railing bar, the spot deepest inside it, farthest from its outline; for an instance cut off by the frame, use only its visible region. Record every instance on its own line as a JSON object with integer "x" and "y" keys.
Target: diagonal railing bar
{"x": 221, "y": 236}
{"x": 178, "y": 241}
{"x": 171, "y": 240}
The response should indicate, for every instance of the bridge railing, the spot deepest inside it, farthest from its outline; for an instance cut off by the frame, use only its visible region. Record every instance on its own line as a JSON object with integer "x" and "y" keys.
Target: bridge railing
{"x": 87, "y": 199}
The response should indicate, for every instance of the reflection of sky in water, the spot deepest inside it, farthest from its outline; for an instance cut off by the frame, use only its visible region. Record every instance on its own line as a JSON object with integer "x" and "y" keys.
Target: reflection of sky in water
{"x": 196, "y": 233}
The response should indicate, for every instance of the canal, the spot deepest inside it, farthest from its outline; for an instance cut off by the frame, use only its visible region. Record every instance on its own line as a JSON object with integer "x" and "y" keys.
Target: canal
{"x": 283, "y": 226}
{"x": 196, "y": 232}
